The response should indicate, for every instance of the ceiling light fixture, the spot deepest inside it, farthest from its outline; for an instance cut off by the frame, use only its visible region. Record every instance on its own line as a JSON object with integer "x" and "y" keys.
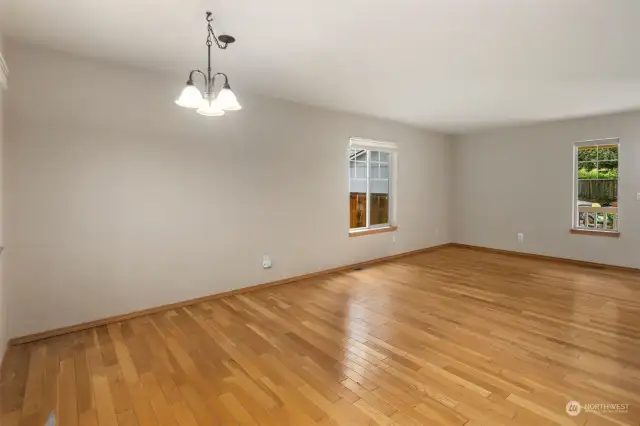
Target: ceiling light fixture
{"x": 211, "y": 104}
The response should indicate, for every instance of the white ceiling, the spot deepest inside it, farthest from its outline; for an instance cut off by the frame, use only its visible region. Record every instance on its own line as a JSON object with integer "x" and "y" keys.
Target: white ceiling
{"x": 450, "y": 65}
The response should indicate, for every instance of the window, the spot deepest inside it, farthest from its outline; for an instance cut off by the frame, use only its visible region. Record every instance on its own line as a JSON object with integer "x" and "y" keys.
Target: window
{"x": 369, "y": 187}
{"x": 596, "y": 186}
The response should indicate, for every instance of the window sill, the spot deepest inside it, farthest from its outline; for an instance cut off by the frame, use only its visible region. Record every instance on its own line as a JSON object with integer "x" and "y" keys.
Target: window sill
{"x": 372, "y": 231}
{"x": 596, "y": 232}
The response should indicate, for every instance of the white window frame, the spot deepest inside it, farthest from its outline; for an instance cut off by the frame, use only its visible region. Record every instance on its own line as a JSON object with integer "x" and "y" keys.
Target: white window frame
{"x": 576, "y": 180}
{"x": 391, "y": 149}
{"x": 4, "y": 73}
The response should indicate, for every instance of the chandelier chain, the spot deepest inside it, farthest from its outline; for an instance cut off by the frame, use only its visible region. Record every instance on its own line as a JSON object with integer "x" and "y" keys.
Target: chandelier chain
{"x": 213, "y": 35}
{"x": 209, "y": 43}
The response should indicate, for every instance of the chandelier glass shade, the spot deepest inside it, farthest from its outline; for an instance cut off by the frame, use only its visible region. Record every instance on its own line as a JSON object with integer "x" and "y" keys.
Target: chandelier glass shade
{"x": 209, "y": 107}
{"x": 211, "y": 104}
{"x": 227, "y": 99}
{"x": 190, "y": 97}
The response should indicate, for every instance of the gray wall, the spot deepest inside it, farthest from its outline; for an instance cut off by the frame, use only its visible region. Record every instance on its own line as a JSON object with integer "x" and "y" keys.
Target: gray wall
{"x": 3, "y": 297}
{"x": 118, "y": 200}
{"x": 521, "y": 180}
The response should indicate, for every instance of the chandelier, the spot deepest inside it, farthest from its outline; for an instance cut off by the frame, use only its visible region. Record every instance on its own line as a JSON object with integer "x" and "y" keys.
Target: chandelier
{"x": 211, "y": 104}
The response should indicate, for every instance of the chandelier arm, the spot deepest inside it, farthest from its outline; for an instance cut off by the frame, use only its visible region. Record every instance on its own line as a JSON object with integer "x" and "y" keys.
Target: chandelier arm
{"x": 198, "y": 72}
{"x": 213, "y": 79}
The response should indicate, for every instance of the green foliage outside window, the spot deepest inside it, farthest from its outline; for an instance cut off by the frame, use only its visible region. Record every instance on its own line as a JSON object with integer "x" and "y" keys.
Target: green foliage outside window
{"x": 598, "y": 153}
{"x": 598, "y": 162}
{"x": 598, "y": 174}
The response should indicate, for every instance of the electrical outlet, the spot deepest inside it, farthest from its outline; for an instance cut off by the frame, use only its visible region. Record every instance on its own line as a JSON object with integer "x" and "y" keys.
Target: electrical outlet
{"x": 437, "y": 231}
{"x": 266, "y": 261}
{"x": 638, "y": 196}
{"x": 520, "y": 237}
{"x": 393, "y": 239}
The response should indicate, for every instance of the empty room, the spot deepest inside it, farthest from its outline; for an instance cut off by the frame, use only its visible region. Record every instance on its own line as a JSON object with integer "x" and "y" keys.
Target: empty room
{"x": 339, "y": 212}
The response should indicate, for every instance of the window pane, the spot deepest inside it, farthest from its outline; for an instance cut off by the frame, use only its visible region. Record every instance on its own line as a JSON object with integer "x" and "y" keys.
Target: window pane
{"x": 384, "y": 171}
{"x": 592, "y": 192}
{"x": 587, "y": 170}
{"x": 357, "y": 210}
{"x": 375, "y": 204}
{"x": 375, "y": 171}
{"x": 379, "y": 209}
{"x": 358, "y": 154}
{"x": 582, "y": 220}
{"x": 608, "y": 170}
{"x": 607, "y": 152}
{"x": 588, "y": 153}
{"x": 379, "y": 206}
{"x": 597, "y": 187}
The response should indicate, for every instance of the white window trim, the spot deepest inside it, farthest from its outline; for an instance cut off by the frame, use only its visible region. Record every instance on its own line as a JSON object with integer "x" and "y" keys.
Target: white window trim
{"x": 390, "y": 148}
{"x": 4, "y": 73}
{"x": 575, "y": 225}
{"x": 372, "y": 144}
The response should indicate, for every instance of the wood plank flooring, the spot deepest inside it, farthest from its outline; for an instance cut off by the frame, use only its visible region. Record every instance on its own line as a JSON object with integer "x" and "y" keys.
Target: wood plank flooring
{"x": 449, "y": 337}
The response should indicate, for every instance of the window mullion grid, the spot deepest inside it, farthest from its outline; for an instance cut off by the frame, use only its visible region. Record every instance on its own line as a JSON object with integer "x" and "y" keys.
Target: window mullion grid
{"x": 604, "y": 222}
{"x": 597, "y": 170}
{"x": 617, "y": 217}
{"x": 368, "y": 199}
{"x": 576, "y": 177}
{"x": 605, "y": 214}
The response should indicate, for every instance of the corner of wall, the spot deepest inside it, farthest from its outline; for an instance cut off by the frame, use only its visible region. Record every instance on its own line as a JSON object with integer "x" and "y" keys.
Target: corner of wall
{"x": 451, "y": 184}
{"x": 3, "y": 304}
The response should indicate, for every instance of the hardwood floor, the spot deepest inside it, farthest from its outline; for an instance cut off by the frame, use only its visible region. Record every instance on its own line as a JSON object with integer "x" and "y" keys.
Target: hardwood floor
{"x": 452, "y": 337}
